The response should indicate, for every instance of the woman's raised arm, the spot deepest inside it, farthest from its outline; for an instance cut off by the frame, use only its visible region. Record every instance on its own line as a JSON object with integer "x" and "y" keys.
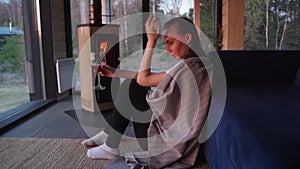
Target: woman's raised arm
{"x": 145, "y": 76}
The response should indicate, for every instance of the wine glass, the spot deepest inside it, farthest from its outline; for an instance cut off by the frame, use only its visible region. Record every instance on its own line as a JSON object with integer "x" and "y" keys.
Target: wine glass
{"x": 96, "y": 62}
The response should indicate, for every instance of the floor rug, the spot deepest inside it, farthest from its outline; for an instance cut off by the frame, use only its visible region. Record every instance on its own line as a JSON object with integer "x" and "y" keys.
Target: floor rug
{"x": 49, "y": 153}
{"x": 45, "y": 153}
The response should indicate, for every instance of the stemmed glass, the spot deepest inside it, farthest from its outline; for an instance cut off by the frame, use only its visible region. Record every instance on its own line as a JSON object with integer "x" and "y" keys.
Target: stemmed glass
{"x": 95, "y": 63}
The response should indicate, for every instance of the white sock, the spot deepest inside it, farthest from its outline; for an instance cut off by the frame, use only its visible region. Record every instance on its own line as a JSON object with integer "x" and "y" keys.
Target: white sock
{"x": 97, "y": 139}
{"x": 103, "y": 152}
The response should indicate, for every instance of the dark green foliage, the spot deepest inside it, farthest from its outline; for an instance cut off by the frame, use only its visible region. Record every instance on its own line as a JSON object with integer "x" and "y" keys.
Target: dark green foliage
{"x": 12, "y": 58}
{"x": 280, "y": 12}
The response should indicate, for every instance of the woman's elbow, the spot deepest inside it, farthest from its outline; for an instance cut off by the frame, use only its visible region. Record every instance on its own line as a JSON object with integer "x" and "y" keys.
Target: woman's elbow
{"x": 141, "y": 81}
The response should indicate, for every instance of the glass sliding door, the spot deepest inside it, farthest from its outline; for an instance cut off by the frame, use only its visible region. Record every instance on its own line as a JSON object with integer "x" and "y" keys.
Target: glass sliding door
{"x": 21, "y": 70}
{"x": 13, "y": 80}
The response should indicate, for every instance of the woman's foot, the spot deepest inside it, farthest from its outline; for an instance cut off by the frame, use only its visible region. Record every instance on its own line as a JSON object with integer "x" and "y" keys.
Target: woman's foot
{"x": 96, "y": 140}
{"x": 103, "y": 152}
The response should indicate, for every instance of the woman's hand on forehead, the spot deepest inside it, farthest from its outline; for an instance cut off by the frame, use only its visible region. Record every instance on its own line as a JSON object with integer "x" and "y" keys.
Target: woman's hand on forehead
{"x": 152, "y": 32}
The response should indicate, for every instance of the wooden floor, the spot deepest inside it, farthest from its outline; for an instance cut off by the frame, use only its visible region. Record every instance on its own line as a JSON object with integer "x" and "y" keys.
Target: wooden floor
{"x": 51, "y": 122}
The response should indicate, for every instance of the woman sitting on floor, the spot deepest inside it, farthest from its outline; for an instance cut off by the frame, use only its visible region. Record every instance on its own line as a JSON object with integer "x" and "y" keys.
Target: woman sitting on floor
{"x": 168, "y": 120}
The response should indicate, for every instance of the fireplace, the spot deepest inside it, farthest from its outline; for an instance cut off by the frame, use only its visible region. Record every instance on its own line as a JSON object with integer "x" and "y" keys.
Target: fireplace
{"x": 91, "y": 38}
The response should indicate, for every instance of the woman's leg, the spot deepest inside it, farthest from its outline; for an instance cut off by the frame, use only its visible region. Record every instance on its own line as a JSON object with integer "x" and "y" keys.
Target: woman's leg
{"x": 141, "y": 113}
{"x": 118, "y": 122}
{"x": 130, "y": 103}
{"x": 120, "y": 116}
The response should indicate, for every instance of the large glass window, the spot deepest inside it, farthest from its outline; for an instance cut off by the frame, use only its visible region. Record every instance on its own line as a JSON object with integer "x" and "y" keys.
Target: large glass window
{"x": 77, "y": 16}
{"x": 272, "y": 25}
{"x": 174, "y": 7}
{"x": 113, "y": 12}
{"x": 128, "y": 15}
{"x": 14, "y": 89}
{"x": 166, "y": 9}
{"x": 22, "y": 86}
{"x": 207, "y": 19}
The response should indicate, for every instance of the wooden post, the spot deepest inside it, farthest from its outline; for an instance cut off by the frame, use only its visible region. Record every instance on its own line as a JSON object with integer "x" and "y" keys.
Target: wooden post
{"x": 197, "y": 13}
{"x": 233, "y": 25}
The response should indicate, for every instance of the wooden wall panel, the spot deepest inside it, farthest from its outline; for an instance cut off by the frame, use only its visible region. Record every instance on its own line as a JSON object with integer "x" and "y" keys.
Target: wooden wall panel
{"x": 59, "y": 34}
{"x": 59, "y": 41}
{"x": 57, "y": 13}
{"x": 233, "y": 25}
{"x": 58, "y": 25}
{"x": 197, "y": 13}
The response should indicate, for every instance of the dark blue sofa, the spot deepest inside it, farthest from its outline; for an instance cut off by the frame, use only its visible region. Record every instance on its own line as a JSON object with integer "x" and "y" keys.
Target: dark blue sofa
{"x": 260, "y": 126}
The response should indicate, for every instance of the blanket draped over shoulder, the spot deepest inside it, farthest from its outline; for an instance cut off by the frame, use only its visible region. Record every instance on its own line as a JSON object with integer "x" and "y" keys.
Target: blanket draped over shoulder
{"x": 180, "y": 104}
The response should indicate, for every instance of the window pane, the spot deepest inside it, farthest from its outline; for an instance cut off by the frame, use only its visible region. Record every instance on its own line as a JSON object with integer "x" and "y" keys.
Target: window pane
{"x": 128, "y": 15}
{"x": 174, "y": 7}
{"x": 165, "y": 10}
{"x": 13, "y": 81}
{"x": 113, "y": 13}
{"x": 78, "y": 16}
{"x": 272, "y": 25}
{"x": 207, "y": 15}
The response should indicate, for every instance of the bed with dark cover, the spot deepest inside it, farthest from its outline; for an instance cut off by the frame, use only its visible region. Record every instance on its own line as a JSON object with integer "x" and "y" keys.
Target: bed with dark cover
{"x": 260, "y": 126}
